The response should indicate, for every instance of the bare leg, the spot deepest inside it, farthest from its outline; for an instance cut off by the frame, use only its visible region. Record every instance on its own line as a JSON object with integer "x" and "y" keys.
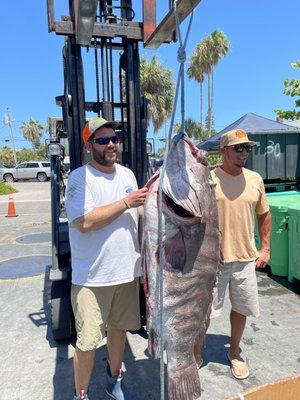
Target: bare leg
{"x": 238, "y": 322}
{"x": 83, "y": 367}
{"x": 116, "y": 340}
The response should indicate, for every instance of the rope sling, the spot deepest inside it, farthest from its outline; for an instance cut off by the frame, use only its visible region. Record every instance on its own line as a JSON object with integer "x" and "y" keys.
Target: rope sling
{"x": 181, "y": 58}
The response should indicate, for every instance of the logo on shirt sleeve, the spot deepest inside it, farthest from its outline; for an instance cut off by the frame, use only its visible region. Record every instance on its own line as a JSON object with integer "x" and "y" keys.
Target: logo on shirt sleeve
{"x": 128, "y": 189}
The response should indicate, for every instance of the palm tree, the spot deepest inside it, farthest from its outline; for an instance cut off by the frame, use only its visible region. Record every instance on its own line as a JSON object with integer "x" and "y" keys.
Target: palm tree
{"x": 196, "y": 71}
{"x": 6, "y": 156}
{"x": 221, "y": 46}
{"x": 203, "y": 62}
{"x": 158, "y": 87}
{"x": 32, "y": 131}
{"x": 193, "y": 129}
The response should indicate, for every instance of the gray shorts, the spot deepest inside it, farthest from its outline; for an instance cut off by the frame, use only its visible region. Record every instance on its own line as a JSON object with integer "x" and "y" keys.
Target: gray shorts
{"x": 99, "y": 308}
{"x": 240, "y": 277}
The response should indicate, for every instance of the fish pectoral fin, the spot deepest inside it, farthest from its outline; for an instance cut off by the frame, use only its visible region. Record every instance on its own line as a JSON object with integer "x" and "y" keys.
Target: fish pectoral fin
{"x": 175, "y": 252}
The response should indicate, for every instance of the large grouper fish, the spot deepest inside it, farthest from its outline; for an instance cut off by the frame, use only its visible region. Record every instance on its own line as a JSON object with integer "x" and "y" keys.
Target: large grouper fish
{"x": 190, "y": 259}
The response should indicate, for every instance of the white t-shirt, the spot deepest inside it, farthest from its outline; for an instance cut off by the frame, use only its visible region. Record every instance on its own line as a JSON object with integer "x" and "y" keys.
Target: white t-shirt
{"x": 110, "y": 255}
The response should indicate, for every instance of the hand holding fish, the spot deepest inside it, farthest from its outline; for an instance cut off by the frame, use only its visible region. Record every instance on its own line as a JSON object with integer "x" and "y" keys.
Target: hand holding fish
{"x": 136, "y": 198}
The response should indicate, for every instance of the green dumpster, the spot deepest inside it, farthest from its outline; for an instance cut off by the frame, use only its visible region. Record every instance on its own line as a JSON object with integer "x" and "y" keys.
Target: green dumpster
{"x": 284, "y": 198}
{"x": 279, "y": 261}
{"x": 294, "y": 243}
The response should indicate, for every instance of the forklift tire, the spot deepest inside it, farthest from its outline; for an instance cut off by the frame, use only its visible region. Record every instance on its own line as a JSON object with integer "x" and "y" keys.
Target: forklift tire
{"x": 62, "y": 317}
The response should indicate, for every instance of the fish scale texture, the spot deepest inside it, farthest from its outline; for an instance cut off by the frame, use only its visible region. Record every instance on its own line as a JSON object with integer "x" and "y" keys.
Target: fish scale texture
{"x": 190, "y": 259}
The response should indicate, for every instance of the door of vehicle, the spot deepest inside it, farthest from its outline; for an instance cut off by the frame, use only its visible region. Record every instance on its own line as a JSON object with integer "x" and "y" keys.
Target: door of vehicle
{"x": 32, "y": 169}
{"x": 46, "y": 167}
{"x": 21, "y": 171}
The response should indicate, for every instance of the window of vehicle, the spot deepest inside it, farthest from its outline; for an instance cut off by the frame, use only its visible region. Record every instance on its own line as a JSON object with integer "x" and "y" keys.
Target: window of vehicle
{"x": 46, "y": 164}
{"x": 32, "y": 165}
{"x": 24, "y": 165}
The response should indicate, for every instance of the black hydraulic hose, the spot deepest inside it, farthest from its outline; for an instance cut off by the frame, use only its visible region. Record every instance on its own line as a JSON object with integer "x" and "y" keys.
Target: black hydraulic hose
{"x": 111, "y": 78}
{"x": 107, "y": 72}
{"x": 104, "y": 98}
{"x": 97, "y": 76}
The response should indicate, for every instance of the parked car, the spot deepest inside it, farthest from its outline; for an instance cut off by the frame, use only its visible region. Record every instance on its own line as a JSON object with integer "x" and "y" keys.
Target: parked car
{"x": 39, "y": 170}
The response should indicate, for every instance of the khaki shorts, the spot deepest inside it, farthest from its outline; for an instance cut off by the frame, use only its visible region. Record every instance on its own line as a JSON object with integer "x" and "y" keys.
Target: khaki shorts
{"x": 243, "y": 293}
{"x": 98, "y": 308}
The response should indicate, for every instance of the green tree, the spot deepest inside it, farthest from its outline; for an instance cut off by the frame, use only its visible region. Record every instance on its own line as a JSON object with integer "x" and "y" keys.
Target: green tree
{"x": 193, "y": 129}
{"x": 41, "y": 152}
{"x": 217, "y": 46}
{"x": 291, "y": 88}
{"x": 215, "y": 160}
{"x": 26, "y": 155}
{"x": 220, "y": 49}
{"x": 160, "y": 152}
{"x": 203, "y": 62}
{"x": 32, "y": 154}
{"x": 6, "y": 155}
{"x": 196, "y": 70}
{"x": 158, "y": 87}
{"x": 33, "y": 132}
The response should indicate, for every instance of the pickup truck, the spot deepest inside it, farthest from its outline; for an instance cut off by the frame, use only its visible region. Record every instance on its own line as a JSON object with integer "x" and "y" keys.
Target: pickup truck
{"x": 39, "y": 170}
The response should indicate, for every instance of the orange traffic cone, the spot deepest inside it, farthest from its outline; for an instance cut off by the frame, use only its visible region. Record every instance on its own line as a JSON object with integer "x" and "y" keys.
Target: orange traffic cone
{"x": 11, "y": 211}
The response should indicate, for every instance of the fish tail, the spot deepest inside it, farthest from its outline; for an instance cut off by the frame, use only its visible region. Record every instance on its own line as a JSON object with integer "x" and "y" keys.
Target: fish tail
{"x": 184, "y": 384}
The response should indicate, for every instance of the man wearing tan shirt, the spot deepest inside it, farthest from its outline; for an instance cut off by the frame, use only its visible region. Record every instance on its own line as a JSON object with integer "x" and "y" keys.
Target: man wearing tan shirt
{"x": 240, "y": 196}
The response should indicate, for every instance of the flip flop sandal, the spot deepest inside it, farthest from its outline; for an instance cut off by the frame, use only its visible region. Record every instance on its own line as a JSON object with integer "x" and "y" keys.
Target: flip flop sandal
{"x": 235, "y": 364}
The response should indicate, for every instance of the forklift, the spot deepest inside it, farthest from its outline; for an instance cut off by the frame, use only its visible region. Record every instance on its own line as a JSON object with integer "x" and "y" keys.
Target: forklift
{"x": 101, "y": 71}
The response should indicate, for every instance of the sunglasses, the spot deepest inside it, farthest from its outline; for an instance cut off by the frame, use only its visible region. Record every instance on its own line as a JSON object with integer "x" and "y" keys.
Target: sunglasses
{"x": 239, "y": 148}
{"x": 105, "y": 140}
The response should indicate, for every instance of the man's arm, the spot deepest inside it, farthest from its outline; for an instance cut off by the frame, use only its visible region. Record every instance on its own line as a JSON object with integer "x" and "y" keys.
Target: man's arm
{"x": 264, "y": 230}
{"x": 104, "y": 215}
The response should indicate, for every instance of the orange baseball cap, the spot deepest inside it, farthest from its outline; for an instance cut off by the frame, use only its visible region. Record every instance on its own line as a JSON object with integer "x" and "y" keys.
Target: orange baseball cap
{"x": 236, "y": 136}
{"x": 94, "y": 124}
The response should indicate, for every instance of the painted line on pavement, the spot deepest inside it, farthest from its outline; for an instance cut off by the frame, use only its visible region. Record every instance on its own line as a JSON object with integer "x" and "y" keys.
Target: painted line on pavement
{"x": 27, "y": 255}
{"x": 25, "y": 278}
{"x": 26, "y": 201}
{"x": 11, "y": 235}
{"x": 26, "y": 215}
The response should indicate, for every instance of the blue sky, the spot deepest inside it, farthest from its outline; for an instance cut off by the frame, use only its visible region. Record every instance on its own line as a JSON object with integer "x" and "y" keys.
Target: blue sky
{"x": 263, "y": 34}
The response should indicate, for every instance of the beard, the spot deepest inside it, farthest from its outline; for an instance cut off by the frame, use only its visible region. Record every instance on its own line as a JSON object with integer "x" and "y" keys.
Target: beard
{"x": 107, "y": 160}
{"x": 240, "y": 163}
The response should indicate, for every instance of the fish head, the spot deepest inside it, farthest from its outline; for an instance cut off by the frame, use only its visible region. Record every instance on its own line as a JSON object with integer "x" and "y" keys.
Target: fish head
{"x": 186, "y": 183}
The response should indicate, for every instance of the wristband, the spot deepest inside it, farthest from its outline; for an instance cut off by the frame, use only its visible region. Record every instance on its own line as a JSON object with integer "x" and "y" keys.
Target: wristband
{"x": 127, "y": 204}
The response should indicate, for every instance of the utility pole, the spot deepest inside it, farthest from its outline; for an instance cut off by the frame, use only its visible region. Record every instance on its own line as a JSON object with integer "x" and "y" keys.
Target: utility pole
{"x": 7, "y": 121}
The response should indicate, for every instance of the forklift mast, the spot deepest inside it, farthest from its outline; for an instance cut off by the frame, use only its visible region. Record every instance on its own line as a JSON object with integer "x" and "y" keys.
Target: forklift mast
{"x": 101, "y": 71}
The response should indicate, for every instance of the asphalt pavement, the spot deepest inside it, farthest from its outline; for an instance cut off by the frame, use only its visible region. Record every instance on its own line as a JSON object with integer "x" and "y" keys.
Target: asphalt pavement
{"x": 34, "y": 366}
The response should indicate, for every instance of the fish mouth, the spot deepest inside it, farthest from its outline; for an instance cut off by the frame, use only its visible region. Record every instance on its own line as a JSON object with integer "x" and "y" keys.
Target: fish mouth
{"x": 175, "y": 208}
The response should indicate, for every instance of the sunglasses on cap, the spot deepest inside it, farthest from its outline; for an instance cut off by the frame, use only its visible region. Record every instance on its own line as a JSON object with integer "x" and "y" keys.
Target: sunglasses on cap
{"x": 105, "y": 140}
{"x": 239, "y": 148}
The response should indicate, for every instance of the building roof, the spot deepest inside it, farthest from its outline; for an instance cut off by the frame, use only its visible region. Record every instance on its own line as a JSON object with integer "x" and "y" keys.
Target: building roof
{"x": 252, "y": 124}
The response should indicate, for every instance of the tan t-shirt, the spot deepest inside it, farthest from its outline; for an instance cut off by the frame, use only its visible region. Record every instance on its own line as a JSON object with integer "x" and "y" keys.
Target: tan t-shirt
{"x": 239, "y": 198}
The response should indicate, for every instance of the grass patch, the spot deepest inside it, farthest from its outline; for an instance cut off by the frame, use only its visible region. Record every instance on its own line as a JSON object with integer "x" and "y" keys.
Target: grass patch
{"x": 5, "y": 188}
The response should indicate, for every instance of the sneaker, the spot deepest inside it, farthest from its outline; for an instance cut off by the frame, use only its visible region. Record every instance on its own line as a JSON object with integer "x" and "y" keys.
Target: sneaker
{"x": 81, "y": 396}
{"x": 114, "y": 387}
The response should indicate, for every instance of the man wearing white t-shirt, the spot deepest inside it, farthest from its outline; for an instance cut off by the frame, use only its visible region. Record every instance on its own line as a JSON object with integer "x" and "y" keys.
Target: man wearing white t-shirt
{"x": 102, "y": 201}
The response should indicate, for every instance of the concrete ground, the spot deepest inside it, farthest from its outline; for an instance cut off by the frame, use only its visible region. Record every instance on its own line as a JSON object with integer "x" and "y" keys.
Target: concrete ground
{"x": 35, "y": 366}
